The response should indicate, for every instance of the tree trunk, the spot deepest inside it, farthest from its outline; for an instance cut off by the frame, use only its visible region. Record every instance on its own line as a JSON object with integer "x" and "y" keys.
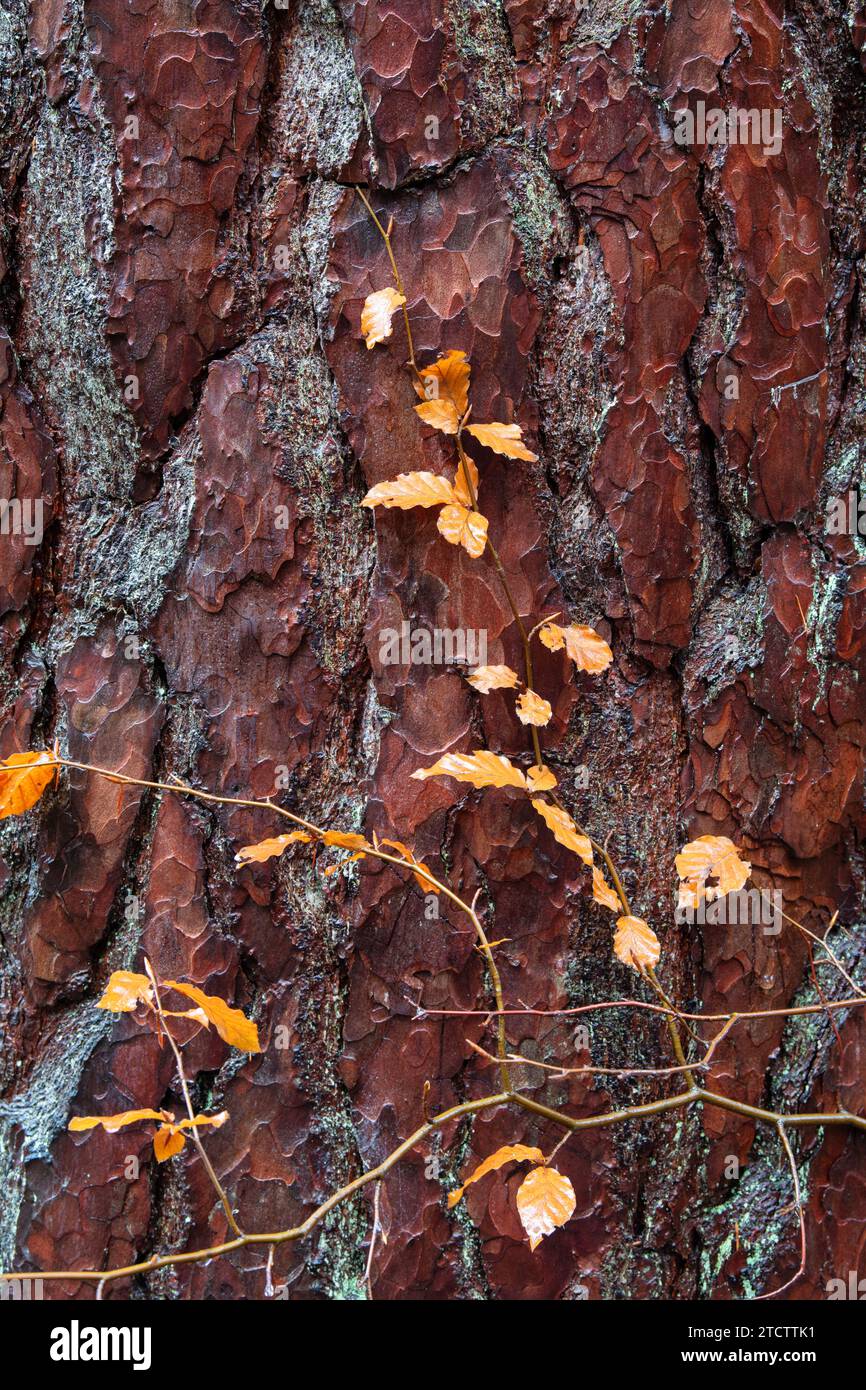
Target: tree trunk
{"x": 186, "y": 391}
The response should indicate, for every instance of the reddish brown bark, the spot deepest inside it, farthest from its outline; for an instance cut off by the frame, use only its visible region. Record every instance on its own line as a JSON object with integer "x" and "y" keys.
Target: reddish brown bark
{"x": 184, "y": 385}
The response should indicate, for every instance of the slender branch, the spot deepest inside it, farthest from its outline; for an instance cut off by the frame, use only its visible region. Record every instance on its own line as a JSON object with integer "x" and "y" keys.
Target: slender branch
{"x": 798, "y": 1203}
{"x": 184, "y": 1086}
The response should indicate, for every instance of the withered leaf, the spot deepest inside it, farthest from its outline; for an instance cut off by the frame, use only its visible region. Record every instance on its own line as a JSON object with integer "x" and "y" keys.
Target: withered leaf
{"x": 170, "y": 1138}
{"x": 407, "y": 854}
{"x": 564, "y": 829}
{"x": 502, "y": 439}
{"x": 440, "y": 413}
{"x": 112, "y": 1123}
{"x": 545, "y": 1200}
{"x": 125, "y": 991}
{"x": 532, "y": 709}
{"x": 462, "y": 492}
{"x": 232, "y": 1025}
{"x": 410, "y": 490}
{"x": 271, "y": 849}
{"x": 602, "y": 891}
{"x": 712, "y": 856}
{"x": 377, "y": 313}
{"x": 510, "y": 1153}
{"x": 463, "y": 527}
{"x": 448, "y": 379}
{"x": 588, "y": 651}
{"x": 23, "y": 779}
{"x": 345, "y": 839}
{"x": 636, "y": 944}
{"x": 487, "y": 678}
{"x": 540, "y": 778}
{"x": 481, "y": 769}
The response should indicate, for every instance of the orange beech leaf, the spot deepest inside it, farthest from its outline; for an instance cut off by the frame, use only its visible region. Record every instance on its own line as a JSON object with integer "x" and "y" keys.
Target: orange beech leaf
{"x": 448, "y": 379}
{"x": 377, "y": 313}
{"x": 545, "y": 1200}
{"x": 711, "y": 856}
{"x": 510, "y": 1153}
{"x": 602, "y": 891}
{"x": 125, "y": 991}
{"x": 112, "y": 1123}
{"x": 588, "y": 651}
{"x": 482, "y": 769}
{"x": 564, "y": 829}
{"x": 271, "y": 849}
{"x": 540, "y": 779}
{"x": 487, "y": 678}
{"x": 345, "y": 840}
{"x": 170, "y": 1139}
{"x": 463, "y": 527}
{"x": 440, "y": 413}
{"x": 502, "y": 439}
{"x": 461, "y": 487}
{"x": 636, "y": 944}
{"x": 410, "y": 490}
{"x": 232, "y": 1025}
{"x": 407, "y": 854}
{"x": 23, "y": 779}
{"x": 167, "y": 1142}
{"x": 532, "y": 709}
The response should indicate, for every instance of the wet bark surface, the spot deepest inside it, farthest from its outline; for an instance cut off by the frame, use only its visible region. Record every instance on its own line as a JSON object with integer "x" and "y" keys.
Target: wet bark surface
{"x": 184, "y": 385}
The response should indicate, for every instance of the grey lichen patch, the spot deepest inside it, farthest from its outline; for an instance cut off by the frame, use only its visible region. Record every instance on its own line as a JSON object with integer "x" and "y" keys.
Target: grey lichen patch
{"x": 319, "y": 110}
{"x": 488, "y": 107}
{"x": 728, "y": 639}
{"x": 316, "y": 239}
{"x": 42, "y": 1109}
{"x": 67, "y": 235}
{"x": 19, "y": 88}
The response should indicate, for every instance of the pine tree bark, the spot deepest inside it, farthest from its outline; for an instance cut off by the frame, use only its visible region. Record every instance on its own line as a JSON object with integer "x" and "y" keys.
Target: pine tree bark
{"x": 186, "y": 392}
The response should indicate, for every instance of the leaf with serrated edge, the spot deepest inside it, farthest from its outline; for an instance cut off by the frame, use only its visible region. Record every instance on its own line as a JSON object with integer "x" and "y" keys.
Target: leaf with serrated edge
{"x": 441, "y": 414}
{"x": 481, "y": 769}
{"x": 377, "y": 313}
{"x": 712, "y": 856}
{"x": 463, "y": 527}
{"x": 23, "y": 779}
{"x": 545, "y": 1201}
{"x": 345, "y": 840}
{"x": 112, "y": 1123}
{"x": 411, "y": 490}
{"x": 487, "y": 678}
{"x": 532, "y": 709}
{"x": 448, "y": 379}
{"x": 461, "y": 488}
{"x": 636, "y": 944}
{"x": 564, "y": 829}
{"x": 167, "y": 1142}
{"x": 271, "y": 849}
{"x": 502, "y": 439}
{"x": 125, "y": 991}
{"x": 540, "y": 779}
{"x": 407, "y": 854}
{"x": 602, "y": 891}
{"x": 588, "y": 651}
{"x": 232, "y": 1025}
{"x": 510, "y": 1153}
